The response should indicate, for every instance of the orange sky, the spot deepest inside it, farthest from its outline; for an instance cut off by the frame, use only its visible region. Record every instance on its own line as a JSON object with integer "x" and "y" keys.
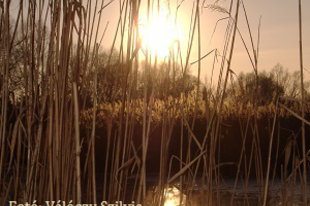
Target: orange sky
{"x": 279, "y": 41}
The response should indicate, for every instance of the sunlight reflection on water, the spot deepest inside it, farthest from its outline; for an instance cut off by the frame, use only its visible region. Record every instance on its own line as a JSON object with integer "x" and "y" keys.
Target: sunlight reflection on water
{"x": 252, "y": 195}
{"x": 172, "y": 197}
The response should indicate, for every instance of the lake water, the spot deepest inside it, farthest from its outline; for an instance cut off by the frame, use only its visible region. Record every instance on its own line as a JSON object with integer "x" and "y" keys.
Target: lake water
{"x": 278, "y": 196}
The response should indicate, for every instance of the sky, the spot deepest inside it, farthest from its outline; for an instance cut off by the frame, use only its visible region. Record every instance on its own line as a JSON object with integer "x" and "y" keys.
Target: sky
{"x": 279, "y": 32}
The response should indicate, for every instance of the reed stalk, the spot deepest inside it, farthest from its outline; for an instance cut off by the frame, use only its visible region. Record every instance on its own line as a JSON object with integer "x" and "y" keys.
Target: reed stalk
{"x": 303, "y": 133}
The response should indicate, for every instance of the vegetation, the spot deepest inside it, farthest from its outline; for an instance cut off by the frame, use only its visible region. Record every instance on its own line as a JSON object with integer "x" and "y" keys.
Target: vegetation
{"x": 66, "y": 104}
{"x": 279, "y": 82}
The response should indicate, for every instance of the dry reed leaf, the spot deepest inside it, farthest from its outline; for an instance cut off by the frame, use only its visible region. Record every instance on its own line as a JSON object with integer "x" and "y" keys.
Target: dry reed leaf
{"x": 217, "y": 8}
{"x": 105, "y": 6}
{"x": 288, "y": 150}
{"x": 203, "y": 57}
{"x": 295, "y": 114}
{"x": 223, "y": 164}
{"x": 78, "y": 5}
{"x": 13, "y": 142}
{"x": 185, "y": 168}
{"x": 75, "y": 27}
{"x": 126, "y": 164}
{"x": 297, "y": 162}
{"x": 193, "y": 135}
{"x": 137, "y": 163}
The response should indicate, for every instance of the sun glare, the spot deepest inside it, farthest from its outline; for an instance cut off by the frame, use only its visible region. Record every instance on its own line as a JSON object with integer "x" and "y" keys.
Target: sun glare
{"x": 160, "y": 35}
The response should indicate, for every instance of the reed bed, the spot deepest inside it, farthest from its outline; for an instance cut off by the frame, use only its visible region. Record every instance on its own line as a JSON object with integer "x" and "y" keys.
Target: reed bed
{"x": 58, "y": 90}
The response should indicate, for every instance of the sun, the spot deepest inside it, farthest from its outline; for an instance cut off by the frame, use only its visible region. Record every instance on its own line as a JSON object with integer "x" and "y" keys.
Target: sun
{"x": 160, "y": 35}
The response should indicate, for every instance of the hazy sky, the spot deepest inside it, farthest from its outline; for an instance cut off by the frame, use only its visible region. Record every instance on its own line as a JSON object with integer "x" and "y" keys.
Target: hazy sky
{"x": 279, "y": 36}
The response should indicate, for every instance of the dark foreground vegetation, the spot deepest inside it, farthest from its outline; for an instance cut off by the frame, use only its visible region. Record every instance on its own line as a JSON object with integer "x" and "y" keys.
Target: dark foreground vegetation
{"x": 79, "y": 123}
